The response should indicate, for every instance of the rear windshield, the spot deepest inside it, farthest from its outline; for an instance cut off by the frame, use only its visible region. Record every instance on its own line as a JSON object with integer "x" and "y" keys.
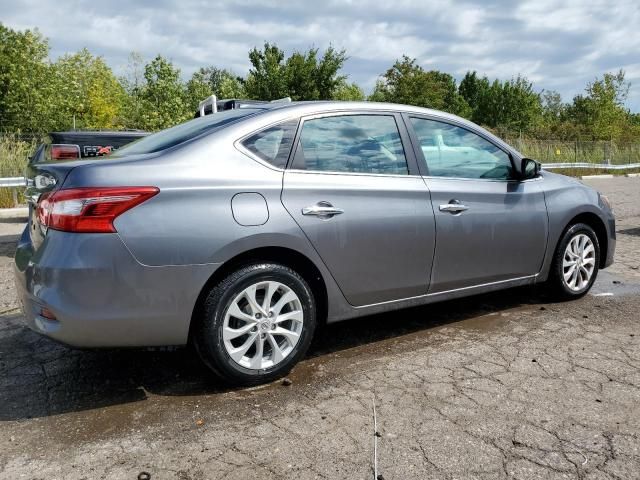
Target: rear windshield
{"x": 185, "y": 131}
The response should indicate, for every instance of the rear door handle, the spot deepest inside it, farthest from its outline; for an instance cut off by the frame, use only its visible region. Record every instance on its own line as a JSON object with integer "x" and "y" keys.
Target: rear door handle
{"x": 322, "y": 209}
{"x": 452, "y": 207}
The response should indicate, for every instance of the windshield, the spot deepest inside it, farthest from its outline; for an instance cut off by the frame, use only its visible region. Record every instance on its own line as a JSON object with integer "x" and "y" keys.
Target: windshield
{"x": 183, "y": 132}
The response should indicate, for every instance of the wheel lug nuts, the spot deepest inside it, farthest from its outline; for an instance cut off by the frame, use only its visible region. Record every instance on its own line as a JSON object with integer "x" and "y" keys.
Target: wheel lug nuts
{"x": 263, "y": 335}
{"x": 254, "y": 329}
{"x": 273, "y": 327}
{"x": 258, "y": 315}
{"x": 270, "y": 314}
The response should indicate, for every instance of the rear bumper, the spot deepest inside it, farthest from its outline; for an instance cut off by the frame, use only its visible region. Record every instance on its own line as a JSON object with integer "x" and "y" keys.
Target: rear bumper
{"x": 100, "y": 295}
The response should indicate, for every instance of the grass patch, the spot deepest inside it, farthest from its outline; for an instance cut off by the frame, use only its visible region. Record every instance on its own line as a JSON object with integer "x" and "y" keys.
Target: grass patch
{"x": 10, "y": 197}
{"x": 14, "y": 155}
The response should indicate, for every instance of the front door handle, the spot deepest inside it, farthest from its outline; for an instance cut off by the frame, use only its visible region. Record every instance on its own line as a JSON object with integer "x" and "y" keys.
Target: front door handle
{"x": 454, "y": 206}
{"x": 322, "y": 209}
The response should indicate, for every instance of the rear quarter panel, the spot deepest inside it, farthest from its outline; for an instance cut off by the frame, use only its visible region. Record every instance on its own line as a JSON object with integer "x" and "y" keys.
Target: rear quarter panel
{"x": 191, "y": 222}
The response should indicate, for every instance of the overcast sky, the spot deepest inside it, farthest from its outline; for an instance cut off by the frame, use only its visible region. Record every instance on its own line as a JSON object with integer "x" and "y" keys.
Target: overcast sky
{"x": 559, "y": 45}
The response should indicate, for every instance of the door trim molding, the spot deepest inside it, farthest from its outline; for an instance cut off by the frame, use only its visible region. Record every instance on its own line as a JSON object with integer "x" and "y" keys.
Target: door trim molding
{"x": 484, "y": 287}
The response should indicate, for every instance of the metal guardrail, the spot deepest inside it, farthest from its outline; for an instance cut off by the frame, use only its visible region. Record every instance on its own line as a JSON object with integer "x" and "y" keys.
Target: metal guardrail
{"x": 598, "y": 166}
{"x": 13, "y": 182}
{"x": 9, "y": 182}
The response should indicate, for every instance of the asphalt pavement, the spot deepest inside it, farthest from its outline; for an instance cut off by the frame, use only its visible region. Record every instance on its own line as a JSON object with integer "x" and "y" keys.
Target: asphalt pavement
{"x": 506, "y": 385}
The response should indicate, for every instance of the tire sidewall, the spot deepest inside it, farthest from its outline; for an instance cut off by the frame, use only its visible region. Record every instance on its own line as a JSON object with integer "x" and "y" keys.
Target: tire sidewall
{"x": 574, "y": 230}
{"x": 210, "y": 343}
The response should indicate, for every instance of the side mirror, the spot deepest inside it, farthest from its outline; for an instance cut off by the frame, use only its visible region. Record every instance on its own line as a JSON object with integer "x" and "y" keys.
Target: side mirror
{"x": 529, "y": 168}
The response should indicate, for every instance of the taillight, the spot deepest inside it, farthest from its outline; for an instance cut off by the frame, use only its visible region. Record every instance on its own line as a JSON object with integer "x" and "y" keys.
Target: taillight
{"x": 63, "y": 151}
{"x": 89, "y": 210}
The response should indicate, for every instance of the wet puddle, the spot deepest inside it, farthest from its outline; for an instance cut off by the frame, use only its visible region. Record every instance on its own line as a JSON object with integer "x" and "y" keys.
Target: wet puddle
{"x": 611, "y": 285}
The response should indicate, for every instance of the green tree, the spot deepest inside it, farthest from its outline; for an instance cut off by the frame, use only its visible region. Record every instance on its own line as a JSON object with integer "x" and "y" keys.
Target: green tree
{"x": 601, "y": 112}
{"x": 230, "y": 86}
{"x": 348, "y": 92}
{"x": 473, "y": 89}
{"x": 520, "y": 106}
{"x": 197, "y": 89}
{"x": 302, "y": 76}
{"x": 267, "y": 79}
{"x": 511, "y": 106}
{"x": 326, "y": 74}
{"x": 555, "y": 122}
{"x": 407, "y": 82}
{"x": 553, "y": 108}
{"x": 87, "y": 93}
{"x": 164, "y": 96}
{"x": 133, "y": 83}
{"x": 24, "y": 81}
{"x": 212, "y": 80}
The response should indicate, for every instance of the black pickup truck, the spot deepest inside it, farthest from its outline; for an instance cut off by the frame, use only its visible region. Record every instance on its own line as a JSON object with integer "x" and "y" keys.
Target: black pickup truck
{"x": 76, "y": 145}
{"x": 62, "y": 147}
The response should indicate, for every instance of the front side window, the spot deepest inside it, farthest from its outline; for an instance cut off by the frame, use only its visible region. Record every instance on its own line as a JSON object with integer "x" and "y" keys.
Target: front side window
{"x": 273, "y": 144}
{"x": 452, "y": 151}
{"x": 351, "y": 143}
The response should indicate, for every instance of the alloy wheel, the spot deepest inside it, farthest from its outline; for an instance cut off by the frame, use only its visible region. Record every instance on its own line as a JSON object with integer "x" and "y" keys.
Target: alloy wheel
{"x": 262, "y": 325}
{"x": 578, "y": 262}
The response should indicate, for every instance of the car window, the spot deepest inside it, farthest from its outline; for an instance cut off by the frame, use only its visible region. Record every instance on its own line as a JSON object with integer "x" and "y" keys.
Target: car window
{"x": 351, "y": 143}
{"x": 274, "y": 143}
{"x": 452, "y": 151}
{"x": 185, "y": 131}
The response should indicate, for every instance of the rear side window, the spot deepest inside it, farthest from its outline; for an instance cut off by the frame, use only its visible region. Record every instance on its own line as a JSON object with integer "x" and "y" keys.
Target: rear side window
{"x": 351, "y": 143}
{"x": 273, "y": 144}
{"x": 185, "y": 131}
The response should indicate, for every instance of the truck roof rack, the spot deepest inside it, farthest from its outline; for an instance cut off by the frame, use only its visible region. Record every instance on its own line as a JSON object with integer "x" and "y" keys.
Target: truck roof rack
{"x": 211, "y": 105}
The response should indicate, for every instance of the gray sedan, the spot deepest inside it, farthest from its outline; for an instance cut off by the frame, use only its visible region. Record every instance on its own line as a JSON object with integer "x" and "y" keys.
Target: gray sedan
{"x": 243, "y": 230}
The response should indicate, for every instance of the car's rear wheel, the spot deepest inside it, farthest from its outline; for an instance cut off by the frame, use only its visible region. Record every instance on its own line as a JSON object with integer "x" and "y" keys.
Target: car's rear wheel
{"x": 575, "y": 263}
{"x": 256, "y": 324}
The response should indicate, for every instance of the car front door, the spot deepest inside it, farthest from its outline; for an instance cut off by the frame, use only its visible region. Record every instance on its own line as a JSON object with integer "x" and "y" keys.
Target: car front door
{"x": 490, "y": 226}
{"x": 354, "y": 189}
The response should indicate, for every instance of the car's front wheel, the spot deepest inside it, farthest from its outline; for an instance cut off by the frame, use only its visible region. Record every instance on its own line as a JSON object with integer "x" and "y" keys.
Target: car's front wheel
{"x": 256, "y": 324}
{"x": 575, "y": 264}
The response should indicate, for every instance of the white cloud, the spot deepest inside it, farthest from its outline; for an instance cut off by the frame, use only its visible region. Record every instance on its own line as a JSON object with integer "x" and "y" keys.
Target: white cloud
{"x": 557, "y": 44}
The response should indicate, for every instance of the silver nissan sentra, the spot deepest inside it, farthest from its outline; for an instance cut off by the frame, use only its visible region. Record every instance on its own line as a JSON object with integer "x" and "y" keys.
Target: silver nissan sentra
{"x": 243, "y": 230}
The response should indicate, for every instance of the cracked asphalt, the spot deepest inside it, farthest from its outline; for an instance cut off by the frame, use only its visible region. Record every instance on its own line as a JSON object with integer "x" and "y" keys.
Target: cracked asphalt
{"x": 506, "y": 385}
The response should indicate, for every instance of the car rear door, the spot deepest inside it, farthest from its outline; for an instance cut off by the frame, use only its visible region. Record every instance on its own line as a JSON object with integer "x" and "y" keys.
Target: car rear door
{"x": 490, "y": 227}
{"x": 354, "y": 189}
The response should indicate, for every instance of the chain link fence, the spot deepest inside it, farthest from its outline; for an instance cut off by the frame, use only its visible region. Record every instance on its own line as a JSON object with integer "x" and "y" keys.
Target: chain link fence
{"x": 578, "y": 151}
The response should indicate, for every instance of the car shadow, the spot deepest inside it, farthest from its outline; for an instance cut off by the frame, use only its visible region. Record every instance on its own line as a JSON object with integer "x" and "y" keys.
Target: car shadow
{"x": 16, "y": 219}
{"x": 635, "y": 231}
{"x": 8, "y": 245}
{"x": 39, "y": 377}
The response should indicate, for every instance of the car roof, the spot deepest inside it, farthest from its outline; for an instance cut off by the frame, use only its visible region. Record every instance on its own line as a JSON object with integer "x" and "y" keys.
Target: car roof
{"x": 312, "y": 106}
{"x": 280, "y": 111}
{"x": 324, "y": 105}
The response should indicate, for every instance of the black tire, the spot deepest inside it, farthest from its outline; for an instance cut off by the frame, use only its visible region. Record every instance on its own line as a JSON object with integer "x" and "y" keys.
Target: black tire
{"x": 556, "y": 284}
{"x": 208, "y": 339}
